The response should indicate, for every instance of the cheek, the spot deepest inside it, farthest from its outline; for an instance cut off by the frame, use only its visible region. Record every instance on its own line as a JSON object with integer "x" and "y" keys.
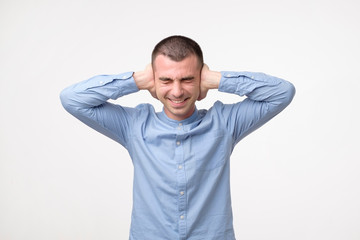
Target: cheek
{"x": 161, "y": 91}
{"x": 194, "y": 89}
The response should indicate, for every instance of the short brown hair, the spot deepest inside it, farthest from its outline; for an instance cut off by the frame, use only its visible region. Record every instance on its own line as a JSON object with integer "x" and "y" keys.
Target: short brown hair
{"x": 177, "y": 48}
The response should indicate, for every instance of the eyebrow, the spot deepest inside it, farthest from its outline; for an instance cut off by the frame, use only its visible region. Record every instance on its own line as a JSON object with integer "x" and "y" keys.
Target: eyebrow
{"x": 182, "y": 79}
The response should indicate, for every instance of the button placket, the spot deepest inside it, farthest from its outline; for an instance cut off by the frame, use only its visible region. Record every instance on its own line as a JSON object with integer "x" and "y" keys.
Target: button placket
{"x": 181, "y": 183}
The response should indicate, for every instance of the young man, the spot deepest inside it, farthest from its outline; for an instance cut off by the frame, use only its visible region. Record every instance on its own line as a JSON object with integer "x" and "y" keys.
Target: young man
{"x": 180, "y": 155}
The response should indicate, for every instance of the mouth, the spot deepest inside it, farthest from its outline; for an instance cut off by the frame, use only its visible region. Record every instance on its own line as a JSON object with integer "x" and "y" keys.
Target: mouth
{"x": 178, "y": 103}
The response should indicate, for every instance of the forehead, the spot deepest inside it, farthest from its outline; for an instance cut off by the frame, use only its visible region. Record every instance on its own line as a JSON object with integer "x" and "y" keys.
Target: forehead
{"x": 164, "y": 66}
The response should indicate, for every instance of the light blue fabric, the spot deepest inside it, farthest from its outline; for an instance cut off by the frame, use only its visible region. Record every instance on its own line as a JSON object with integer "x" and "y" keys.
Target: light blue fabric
{"x": 181, "y": 187}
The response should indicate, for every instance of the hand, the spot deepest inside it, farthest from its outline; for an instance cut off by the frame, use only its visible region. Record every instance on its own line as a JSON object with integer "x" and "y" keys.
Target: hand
{"x": 209, "y": 80}
{"x": 145, "y": 80}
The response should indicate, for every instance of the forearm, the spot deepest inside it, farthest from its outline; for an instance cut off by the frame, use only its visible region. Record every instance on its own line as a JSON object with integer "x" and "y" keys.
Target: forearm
{"x": 87, "y": 101}
{"x": 96, "y": 91}
{"x": 258, "y": 87}
{"x": 213, "y": 79}
{"x": 266, "y": 97}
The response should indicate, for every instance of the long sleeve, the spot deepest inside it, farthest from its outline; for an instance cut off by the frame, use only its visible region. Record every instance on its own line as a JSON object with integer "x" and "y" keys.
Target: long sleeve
{"x": 87, "y": 101}
{"x": 266, "y": 97}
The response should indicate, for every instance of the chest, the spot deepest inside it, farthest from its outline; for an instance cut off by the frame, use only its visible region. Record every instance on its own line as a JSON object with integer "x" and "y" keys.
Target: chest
{"x": 199, "y": 148}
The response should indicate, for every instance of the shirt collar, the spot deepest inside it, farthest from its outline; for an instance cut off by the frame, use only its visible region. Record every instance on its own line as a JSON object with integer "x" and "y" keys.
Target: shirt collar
{"x": 163, "y": 117}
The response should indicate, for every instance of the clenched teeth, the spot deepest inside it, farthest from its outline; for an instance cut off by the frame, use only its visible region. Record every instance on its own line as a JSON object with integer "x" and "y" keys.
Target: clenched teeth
{"x": 177, "y": 101}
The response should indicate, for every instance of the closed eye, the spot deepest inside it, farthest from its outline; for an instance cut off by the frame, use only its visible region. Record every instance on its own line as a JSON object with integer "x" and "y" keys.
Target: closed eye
{"x": 165, "y": 80}
{"x": 187, "y": 79}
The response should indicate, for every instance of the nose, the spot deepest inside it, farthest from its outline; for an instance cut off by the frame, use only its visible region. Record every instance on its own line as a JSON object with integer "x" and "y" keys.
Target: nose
{"x": 177, "y": 90}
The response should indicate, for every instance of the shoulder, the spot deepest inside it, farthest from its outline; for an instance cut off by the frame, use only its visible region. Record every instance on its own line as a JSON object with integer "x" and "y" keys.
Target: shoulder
{"x": 219, "y": 107}
{"x": 224, "y": 111}
{"x": 144, "y": 106}
{"x": 144, "y": 110}
{"x": 217, "y": 110}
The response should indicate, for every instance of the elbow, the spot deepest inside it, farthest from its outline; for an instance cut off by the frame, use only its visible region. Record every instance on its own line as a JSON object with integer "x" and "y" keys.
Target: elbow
{"x": 289, "y": 91}
{"x": 65, "y": 99}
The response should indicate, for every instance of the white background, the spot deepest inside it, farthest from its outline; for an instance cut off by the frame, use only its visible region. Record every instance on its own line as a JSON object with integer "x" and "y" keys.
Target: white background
{"x": 295, "y": 178}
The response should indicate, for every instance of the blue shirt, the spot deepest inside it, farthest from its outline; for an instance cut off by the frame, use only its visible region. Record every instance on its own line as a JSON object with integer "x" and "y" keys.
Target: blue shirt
{"x": 181, "y": 187}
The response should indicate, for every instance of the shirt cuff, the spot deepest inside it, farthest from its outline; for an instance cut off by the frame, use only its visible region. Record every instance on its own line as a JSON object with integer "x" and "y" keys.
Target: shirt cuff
{"x": 242, "y": 83}
{"x": 127, "y": 77}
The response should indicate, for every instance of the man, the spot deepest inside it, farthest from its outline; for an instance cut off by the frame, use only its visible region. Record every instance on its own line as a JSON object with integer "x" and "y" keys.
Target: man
{"x": 180, "y": 155}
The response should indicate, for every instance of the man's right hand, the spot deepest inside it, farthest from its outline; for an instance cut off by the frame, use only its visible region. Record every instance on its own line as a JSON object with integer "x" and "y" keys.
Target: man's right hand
{"x": 145, "y": 80}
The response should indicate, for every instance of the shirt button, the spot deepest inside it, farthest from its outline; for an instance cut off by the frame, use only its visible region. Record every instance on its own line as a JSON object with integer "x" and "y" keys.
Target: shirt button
{"x": 178, "y": 143}
{"x": 180, "y": 124}
{"x": 182, "y": 193}
{"x": 182, "y": 217}
{"x": 180, "y": 167}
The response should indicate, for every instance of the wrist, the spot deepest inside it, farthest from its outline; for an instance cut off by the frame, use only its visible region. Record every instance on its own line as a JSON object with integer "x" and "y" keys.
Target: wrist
{"x": 213, "y": 79}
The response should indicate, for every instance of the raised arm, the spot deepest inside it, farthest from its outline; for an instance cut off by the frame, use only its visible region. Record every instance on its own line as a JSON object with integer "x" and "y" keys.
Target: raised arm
{"x": 266, "y": 97}
{"x": 88, "y": 101}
